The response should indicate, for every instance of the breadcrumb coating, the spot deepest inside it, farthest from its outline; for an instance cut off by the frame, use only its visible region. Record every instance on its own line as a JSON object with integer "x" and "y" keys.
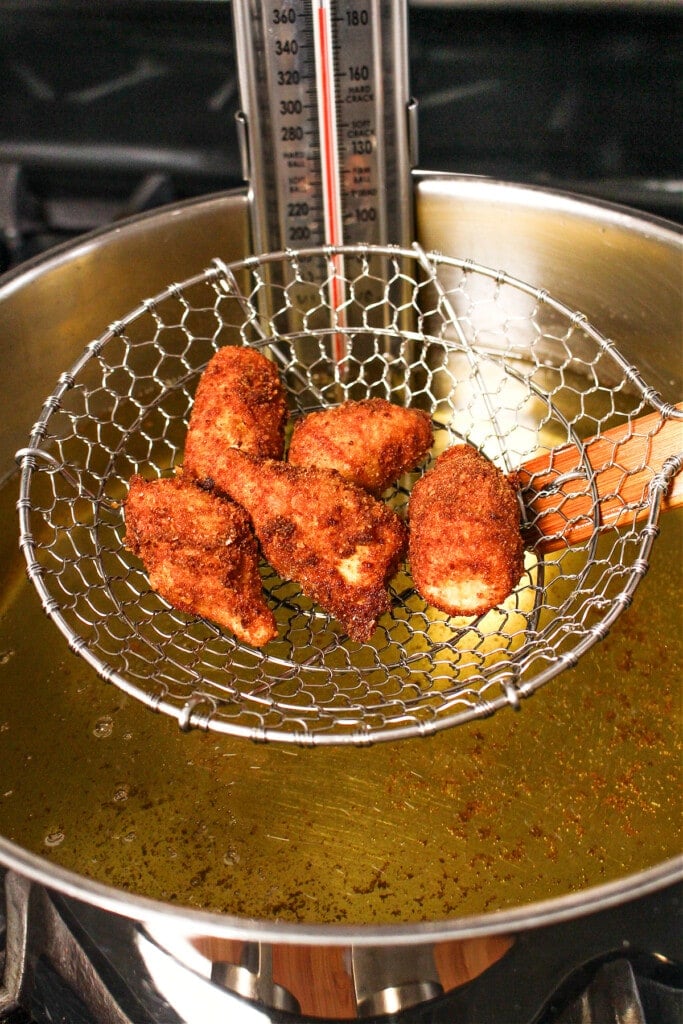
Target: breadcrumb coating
{"x": 334, "y": 539}
{"x": 200, "y": 554}
{"x": 465, "y": 550}
{"x": 239, "y": 403}
{"x": 369, "y": 442}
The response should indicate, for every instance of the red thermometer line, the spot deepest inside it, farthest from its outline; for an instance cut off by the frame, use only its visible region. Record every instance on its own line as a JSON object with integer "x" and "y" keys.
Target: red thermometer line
{"x": 329, "y": 158}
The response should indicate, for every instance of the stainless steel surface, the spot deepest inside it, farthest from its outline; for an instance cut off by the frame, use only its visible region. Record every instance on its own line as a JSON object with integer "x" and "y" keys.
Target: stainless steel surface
{"x": 168, "y": 829}
{"x": 495, "y": 363}
{"x": 118, "y": 972}
{"x": 325, "y": 119}
{"x": 252, "y": 978}
{"x": 390, "y": 984}
{"x": 622, "y": 270}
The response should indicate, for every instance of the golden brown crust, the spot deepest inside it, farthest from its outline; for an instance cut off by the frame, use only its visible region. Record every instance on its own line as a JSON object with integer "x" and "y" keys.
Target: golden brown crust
{"x": 466, "y": 552}
{"x": 200, "y": 554}
{"x": 239, "y": 403}
{"x": 339, "y": 543}
{"x": 370, "y": 442}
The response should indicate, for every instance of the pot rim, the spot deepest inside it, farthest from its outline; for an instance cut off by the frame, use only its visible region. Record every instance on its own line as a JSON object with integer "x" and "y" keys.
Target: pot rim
{"x": 473, "y": 184}
{"x": 221, "y": 925}
{"x": 511, "y": 192}
{"x": 189, "y": 919}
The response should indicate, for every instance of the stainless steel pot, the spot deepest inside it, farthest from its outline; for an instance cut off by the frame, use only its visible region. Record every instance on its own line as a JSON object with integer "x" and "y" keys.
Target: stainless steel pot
{"x": 308, "y": 873}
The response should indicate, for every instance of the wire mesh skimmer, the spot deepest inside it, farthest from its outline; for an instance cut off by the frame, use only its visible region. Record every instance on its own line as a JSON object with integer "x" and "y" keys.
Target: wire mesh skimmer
{"x": 495, "y": 362}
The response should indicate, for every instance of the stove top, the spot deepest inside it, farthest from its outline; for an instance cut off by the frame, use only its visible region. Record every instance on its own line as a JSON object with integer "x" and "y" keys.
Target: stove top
{"x": 114, "y": 108}
{"x": 623, "y": 965}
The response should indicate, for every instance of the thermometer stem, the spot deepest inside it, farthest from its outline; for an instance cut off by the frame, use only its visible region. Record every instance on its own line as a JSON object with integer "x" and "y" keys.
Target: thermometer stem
{"x": 330, "y": 158}
{"x": 329, "y": 147}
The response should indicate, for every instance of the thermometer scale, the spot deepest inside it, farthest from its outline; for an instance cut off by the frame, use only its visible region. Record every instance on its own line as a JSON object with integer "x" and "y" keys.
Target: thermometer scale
{"x": 327, "y": 125}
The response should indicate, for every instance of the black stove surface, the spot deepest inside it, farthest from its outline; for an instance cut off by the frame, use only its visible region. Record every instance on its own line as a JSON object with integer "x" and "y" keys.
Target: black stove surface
{"x": 112, "y": 108}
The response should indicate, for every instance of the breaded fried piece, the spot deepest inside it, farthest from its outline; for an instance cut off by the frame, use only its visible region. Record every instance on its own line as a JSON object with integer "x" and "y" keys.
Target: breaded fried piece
{"x": 239, "y": 403}
{"x": 200, "y": 554}
{"x": 370, "y": 442}
{"x": 334, "y": 539}
{"x": 466, "y": 551}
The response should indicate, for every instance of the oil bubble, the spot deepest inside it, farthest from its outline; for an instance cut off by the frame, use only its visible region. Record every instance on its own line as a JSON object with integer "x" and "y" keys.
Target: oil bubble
{"x": 129, "y": 837}
{"x": 103, "y": 727}
{"x": 54, "y": 837}
{"x": 122, "y": 792}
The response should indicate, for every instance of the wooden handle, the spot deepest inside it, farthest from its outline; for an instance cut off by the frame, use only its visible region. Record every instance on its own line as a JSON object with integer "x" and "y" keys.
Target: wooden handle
{"x": 623, "y": 462}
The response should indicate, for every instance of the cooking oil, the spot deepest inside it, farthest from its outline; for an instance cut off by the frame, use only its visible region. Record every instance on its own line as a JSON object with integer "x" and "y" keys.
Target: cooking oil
{"x": 581, "y": 787}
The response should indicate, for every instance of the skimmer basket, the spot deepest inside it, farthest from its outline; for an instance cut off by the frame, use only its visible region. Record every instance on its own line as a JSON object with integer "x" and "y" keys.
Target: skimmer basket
{"x": 494, "y": 361}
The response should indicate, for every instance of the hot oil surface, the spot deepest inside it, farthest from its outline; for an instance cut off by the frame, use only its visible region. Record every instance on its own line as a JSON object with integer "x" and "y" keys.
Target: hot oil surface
{"x": 580, "y": 788}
